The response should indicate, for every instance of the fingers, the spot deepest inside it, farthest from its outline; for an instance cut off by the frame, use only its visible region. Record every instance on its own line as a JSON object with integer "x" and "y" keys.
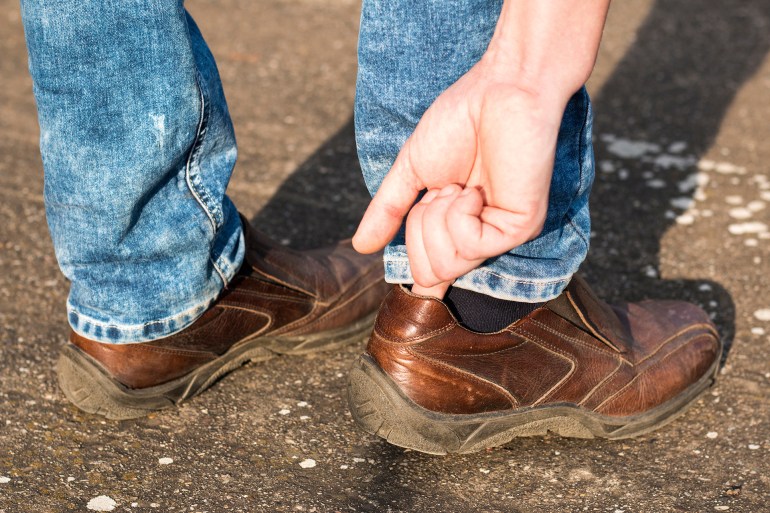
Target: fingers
{"x": 393, "y": 201}
{"x": 433, "y": 257}
{"x": 480, "y": 231}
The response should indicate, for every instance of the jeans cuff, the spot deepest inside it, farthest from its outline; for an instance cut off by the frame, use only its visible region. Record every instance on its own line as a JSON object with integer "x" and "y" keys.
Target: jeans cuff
{"x": 488, "y": 282}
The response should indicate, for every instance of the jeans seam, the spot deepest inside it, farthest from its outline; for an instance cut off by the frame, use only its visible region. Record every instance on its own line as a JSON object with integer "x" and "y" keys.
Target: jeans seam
{"x": 492, "y": 273}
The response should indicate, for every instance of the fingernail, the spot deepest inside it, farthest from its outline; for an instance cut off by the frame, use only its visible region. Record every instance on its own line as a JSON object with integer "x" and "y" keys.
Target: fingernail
{"x": 447, "y": 191}
{"x": 429, "y": 196}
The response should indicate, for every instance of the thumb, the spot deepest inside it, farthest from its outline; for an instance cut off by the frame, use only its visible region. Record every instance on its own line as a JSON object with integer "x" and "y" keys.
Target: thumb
{"x": 387, "y": 210}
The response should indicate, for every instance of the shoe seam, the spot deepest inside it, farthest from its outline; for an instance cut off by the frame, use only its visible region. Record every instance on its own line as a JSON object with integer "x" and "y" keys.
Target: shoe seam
{"x": 474, "y": 377}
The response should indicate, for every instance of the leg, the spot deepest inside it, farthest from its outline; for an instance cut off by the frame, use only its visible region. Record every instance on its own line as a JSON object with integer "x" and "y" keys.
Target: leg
{"x": 434, "y": 43}
{"x": 574, "y": 365}
{"x": 138, "y": 149}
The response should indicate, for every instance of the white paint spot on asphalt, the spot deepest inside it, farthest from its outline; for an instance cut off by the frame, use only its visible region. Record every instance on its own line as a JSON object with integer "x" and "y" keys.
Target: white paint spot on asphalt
{"x": 101, "y": 503}
{"x": 743, "y": 228}
{"x": 712, "y": 434}
{"x": 308, "y": 463}
{"x": 606, "y": 166}
{"x": 682, "y": 202}
{"x": 284, "y": 412}
{"x": 677, "y": 147}
{"x": 628, "y": 149}
{"x": 763, "y": 314}
{"x": 757, "y": 331}
{"x": 165, "y": 461}
{"x": 740, "y": 213}
{"x": 656, "y": 183}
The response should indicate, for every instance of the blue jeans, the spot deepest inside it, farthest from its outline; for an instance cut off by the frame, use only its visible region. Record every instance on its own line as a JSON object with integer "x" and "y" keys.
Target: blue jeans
{"x": 138, "y": 148}
{"x": 409, "y": 52}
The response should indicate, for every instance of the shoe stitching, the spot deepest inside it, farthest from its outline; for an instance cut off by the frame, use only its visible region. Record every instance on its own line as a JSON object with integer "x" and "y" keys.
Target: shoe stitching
{"x": 548, "y": 347}
{"x": 463, "y": 373}
{"x": 640, "y": 375}
{"x": 674, "y": 336}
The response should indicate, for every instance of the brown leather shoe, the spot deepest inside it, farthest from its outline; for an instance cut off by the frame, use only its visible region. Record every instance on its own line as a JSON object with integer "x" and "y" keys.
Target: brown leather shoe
{"x": 575, "y": 366}
{"x": 281, "y": 302}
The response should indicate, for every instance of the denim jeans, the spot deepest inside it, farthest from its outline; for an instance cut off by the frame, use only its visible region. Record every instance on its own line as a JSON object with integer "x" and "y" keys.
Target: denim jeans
{"x": 138, "y": 148}
{"x": 409, "y": 52}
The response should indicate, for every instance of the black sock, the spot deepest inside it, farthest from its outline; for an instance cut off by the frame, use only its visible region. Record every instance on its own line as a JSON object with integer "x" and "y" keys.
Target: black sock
{"x": 485, "y": 314}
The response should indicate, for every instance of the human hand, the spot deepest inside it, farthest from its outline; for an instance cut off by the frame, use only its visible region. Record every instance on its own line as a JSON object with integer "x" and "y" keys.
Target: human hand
{"x": 487, "y": 138}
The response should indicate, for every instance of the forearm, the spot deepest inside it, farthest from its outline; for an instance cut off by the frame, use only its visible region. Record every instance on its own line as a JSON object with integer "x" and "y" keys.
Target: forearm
{"x": 547, "y": 47}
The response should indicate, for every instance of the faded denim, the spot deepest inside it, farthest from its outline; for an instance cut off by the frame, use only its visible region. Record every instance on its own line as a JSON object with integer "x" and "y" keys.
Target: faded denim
{"x": 138, "y": 149}
{"x": 409, "y": 52}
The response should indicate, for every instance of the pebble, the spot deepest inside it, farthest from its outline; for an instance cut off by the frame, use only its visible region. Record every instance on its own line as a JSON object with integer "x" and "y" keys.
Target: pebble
{"x": 751, "y": 227}
{"x": 734, "y": 200}
{"x": 756, "y": 205}
{"x": 308, "y": 463}
{"x": 656, "y": 183}
{"x": 712, "y": 434}
{"x": 484, "y": 470}
{"x": 685, "y": 219}
{"x": 721, "y": 508}
{"x": 753, "y": 447}
{"x": 757, "y": 331}
{"x": 101, "y": 503}
{"x": 358, "y": 460}
{"x": 302, "y": 404}
{"x": 4, "y": 479}
{"x": 763, "y": 314}
{"x": 740, "y": 213}
{"x": 165, "y": 461}
{"x": 284, "y": 412}
{"x": 752, "y": 243}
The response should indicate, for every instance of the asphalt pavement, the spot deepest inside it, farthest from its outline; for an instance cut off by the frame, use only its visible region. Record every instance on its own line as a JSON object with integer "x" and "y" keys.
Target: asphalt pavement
{"x": 681, "y": 209}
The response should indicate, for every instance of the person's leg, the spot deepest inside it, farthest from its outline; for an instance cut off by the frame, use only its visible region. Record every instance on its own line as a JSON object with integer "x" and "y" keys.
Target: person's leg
{"x": 410, "y": 52}
{"x": 138, "y": 148}
{"x": 574, "y": 365}
{"x": 170, "y": 287}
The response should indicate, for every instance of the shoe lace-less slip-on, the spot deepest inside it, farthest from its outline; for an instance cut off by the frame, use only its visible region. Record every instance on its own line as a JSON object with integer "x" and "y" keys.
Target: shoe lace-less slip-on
{"x": 280, "y": 302}
{"x": 575, "y": 366}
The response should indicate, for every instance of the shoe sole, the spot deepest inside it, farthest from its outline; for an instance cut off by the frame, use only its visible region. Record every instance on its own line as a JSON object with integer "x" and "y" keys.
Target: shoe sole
{"x": 380, "y": 407}
{"x": 92, "y": 389}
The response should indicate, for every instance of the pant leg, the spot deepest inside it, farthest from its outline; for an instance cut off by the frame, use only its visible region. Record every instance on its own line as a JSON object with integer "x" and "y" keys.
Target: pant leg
{"x": 409, "y": 52}
{"x": 137, "y": 148}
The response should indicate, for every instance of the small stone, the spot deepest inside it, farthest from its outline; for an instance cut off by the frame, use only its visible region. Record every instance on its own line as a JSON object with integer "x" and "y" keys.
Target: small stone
{"x": 712, "y": 434}
{"x": 70, "y": 479}
{"x": 753, "y": 447}
{"x": 344, "y": 467}
{"x": 752, "y": 243}
{"x": 284, "y": 412}
{"x": 304, "y": 417}
{"x": 302, "y": 404}
{"x": 734, "y": 200}
{"x": 650, "y": 272}
{"x": 685, "y": 219}
{"x": 757, "y": 331}
{"x": 154, "y": 505}
{"x": 4, "y": 479}
{"x": 358, "y": 460}
{"x": 721, "y": 508}
{"x": 308, "y": 463}
{"x": 484, "y": 470}
{"x": 763, "y": 314}
{"x": 740, "y": 213}
{"x": 101, "y": 503}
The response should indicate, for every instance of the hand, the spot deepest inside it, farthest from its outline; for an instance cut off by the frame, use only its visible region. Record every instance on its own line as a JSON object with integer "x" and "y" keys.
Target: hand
{"x": 484, "y": 137}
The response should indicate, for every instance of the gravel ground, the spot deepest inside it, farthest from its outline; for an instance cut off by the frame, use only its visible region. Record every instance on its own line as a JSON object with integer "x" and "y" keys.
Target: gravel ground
{"x": 681, "y": 210}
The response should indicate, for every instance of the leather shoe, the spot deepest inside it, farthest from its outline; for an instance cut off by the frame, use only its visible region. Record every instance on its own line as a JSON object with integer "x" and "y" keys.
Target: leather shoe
{"x": 280, "y": 302}
{"x": 575, "y": 366}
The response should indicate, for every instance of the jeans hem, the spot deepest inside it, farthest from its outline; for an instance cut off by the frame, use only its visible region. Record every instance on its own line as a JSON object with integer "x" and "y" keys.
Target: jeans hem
{"x": 490, "y": 283}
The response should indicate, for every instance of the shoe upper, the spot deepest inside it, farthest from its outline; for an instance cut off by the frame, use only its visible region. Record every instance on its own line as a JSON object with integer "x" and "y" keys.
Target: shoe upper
{"x": 278, "y": 293}
{"x": 577, "y": 350}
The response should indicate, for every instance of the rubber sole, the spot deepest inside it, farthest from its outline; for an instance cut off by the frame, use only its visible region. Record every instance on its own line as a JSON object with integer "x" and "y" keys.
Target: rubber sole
{"x": 92, "y": 389}
{"x": 382, "y": 409}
